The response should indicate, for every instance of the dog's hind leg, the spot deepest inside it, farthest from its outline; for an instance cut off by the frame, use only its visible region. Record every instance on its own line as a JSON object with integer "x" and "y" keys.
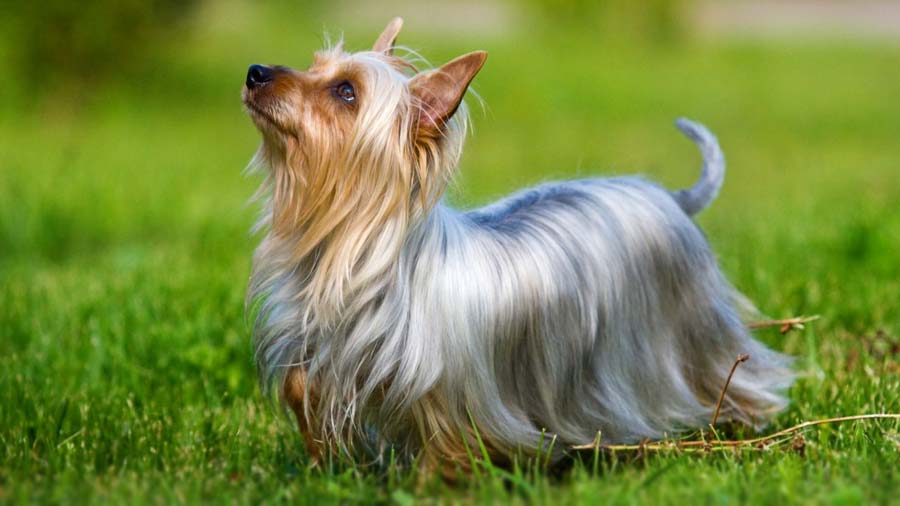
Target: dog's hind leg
{"x": 755, "y": 393}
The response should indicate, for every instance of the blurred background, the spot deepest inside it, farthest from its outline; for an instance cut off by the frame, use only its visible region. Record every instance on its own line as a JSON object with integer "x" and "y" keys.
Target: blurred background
{"x": 124, "y": 224}
{"x": 121, "y": 120}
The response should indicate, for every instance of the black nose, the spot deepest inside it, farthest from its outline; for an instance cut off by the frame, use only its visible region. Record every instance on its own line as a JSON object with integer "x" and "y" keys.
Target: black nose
{"x": 258, "y": 75}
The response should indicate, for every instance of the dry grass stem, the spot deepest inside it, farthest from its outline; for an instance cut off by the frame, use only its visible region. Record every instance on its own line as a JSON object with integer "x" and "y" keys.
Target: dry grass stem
{"x": 785, "y": 325}
{"x": 761, "y": 442}
{"x": 740, "y": 360}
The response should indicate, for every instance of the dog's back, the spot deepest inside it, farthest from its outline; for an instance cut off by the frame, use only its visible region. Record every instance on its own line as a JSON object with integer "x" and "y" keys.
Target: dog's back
{"x": 583, "y": 305}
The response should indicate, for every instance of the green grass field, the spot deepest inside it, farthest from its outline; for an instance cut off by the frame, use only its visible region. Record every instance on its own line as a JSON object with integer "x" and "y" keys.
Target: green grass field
{"x": 126, "y": 368}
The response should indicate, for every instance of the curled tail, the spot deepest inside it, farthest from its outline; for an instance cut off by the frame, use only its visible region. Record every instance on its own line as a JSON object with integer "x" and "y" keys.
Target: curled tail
{"x": 694, "y": 199}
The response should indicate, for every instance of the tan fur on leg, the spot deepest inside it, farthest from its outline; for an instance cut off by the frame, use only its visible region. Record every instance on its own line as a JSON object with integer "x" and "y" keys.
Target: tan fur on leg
{"x": 296, "y": 395}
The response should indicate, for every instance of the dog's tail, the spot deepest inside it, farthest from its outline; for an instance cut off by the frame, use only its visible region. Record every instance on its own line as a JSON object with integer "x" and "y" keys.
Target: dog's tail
{"x": 694, "y": 199}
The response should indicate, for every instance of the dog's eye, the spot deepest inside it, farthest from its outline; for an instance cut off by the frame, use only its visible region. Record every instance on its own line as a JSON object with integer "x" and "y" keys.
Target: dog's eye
{"x": 345, "y": 92}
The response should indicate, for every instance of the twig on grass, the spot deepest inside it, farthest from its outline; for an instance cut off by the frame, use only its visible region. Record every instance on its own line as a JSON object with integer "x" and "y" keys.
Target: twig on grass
{"x": 785, "y": 325}
{"x": 754, "y": 443}
{"x": 740, "y": 360}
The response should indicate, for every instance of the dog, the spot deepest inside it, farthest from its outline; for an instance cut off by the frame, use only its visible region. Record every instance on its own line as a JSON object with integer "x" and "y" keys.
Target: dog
{"x": 387, "y": 319}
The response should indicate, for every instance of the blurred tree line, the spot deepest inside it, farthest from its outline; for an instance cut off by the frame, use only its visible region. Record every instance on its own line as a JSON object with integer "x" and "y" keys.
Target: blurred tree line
{"x": 70, "y": 43}
{"x": 646, "y": 21}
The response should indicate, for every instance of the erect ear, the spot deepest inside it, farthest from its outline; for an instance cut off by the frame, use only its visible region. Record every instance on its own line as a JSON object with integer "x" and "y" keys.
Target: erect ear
{"x": 438, "y": 92}
{"x": 385, "y": 42}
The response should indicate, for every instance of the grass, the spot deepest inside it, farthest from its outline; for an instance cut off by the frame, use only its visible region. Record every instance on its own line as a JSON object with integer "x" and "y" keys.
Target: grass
{"x": 125, "y": 361}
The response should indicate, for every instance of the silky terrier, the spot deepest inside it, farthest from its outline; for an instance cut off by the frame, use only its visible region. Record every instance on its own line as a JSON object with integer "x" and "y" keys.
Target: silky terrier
{"x": 387, "y": 319}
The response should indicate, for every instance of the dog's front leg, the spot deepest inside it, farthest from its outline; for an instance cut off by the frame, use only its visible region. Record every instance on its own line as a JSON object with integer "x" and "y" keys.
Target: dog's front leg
{"x": 297, "y": 392}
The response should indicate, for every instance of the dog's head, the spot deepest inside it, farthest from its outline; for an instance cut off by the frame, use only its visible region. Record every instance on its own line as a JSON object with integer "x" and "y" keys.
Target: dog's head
{"x": 358, "y": 147}
{"x": 358, "y": 130}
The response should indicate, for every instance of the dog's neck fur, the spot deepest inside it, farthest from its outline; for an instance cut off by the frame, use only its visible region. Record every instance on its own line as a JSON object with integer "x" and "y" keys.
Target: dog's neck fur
{"x": 341, "y": 236}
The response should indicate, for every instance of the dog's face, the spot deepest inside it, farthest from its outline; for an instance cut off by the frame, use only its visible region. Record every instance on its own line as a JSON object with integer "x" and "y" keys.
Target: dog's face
{"x": 329, "y": 97}
{"x": 317, "y": 106}
{"x": 365, "y": 119}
